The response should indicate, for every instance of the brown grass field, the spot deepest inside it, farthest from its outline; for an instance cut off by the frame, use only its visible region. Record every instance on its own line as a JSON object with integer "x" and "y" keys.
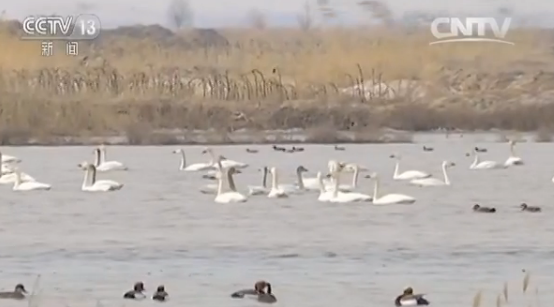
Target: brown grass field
{"x": 140, "y": 80}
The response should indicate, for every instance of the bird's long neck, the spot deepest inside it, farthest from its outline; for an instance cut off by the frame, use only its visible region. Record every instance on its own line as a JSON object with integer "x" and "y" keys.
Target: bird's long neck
{"x": 396, "y": 168}
{"x": 183, "y": 160}
{"x": 446, "y": 180}
{"x": 512, "y": 151}
{"x": 376, "y": 189}
{"x": 93, "y": 180}
{"x": 86, "y": 178}
{"x": 232, "y": 185}
{"x": 355, "y": 177}
{"x": 301, "y": 180}
{"x": 264, "y": 179}
{"x": 335, "y": 177}
{"x": 103, "y": 157}
{"x": 274, "y": 179}
{"x": 97, "y": 158}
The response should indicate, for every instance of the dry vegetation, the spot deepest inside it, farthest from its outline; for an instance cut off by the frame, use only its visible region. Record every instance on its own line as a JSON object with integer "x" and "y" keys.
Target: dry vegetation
{"x": 138, "y": 81}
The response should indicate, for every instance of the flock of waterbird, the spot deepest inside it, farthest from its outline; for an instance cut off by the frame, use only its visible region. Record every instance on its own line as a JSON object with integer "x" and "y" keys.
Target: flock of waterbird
{"x": 223, "y": 170}
{"x": 220, "y": 168}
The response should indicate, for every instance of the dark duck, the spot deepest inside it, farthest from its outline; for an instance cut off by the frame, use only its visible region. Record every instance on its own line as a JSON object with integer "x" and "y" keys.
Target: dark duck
{"x": 17, "y": 294}
{"x": 408, "y": 298}
{"x": 136, "y": 293}
{"x": 160, "y": 294}
{"x": 259, "y": 292}
{"x": 478, "y": 208}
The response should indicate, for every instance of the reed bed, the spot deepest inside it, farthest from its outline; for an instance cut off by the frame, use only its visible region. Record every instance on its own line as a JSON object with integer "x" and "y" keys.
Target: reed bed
{"x": 504, "y": 298}
{"x": 140, "y": 80}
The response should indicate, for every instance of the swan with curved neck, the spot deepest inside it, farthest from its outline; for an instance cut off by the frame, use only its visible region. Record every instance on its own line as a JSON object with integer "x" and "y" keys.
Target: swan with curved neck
{"x": 192, "y": 167}
{"x": 406, "y": 175}
{"x": 276, "y": 191}
{"x": 90, "y": 184}
{"x": 346, "y": 197}
{"x": 262, "y": 189}
{"x": 224, "y": 162}
{"x": 483, "y": 165}
{"x": 388, "y": 199}
{"x": 231, "y": 196}
{"x": 20, "y": 185}
{"x": 435, "y": 182}
{"x": 299, "y": 186}
{"x": 104, "y": 166}
{"x": 513, "y": 159}
{"x": 345, "y": 187}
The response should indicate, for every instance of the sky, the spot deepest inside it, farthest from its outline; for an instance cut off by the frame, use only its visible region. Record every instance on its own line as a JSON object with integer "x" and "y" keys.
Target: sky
{"x": 221, "y": 13}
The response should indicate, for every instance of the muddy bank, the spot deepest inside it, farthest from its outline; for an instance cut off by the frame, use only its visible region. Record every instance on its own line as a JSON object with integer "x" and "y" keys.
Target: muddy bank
{"x": 151, "y": 122}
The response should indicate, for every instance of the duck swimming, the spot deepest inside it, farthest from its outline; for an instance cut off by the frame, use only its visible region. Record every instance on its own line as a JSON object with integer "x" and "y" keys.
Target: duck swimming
{"x": 248, "y": 150}
{"x": 160, "y": 294}
{"x": 408, "y": 298}
{"x": 17, "y": 294}
{"x": 338, "y": 148}
{"x": 277, "y": 148}
{"x": 136, "y": 293}
{"x": 425, "y": 148}
{"x": 478, "y": 208}
{"x": 525, "y": 207}
{"x": 258, "y": 292}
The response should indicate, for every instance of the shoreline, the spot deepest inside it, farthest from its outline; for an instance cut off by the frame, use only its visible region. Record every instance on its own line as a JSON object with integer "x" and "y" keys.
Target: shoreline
{"x": 281, "y": 137}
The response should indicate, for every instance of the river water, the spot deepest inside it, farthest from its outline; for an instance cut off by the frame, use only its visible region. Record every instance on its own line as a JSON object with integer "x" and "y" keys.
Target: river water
{"x": 89, "y": 248}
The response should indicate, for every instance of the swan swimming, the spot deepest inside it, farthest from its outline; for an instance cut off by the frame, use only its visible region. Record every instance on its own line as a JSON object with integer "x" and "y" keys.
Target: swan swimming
{"x": 104, "y": 166}
{"x": 435, "y": 182}
{"x": 192, "y": 167}
{"x": 388, "y": 199}
{"x": 90, "y": 184}
{"x": 346, "y": 197}
{"x": 260, "y": 190}
{"x": 298, "y": 187}
{"x": 513, "y": 159}
{"x": 8, "y": 176}
{"x": 231, "y": 196}
{"x": 225, "y": 163}
{"x": 483, "y": 165}
{"x": 20, "y": 185}
{"x": 276, "y": 191}
{"x": 407, "y": 175}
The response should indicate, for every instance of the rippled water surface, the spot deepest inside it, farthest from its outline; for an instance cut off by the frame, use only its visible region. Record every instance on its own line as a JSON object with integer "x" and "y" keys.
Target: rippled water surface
{"x": 160, "y": 229}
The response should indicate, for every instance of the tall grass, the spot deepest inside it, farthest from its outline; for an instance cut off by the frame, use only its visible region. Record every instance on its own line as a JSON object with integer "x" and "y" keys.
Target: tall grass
{"x": 138, "y": 79}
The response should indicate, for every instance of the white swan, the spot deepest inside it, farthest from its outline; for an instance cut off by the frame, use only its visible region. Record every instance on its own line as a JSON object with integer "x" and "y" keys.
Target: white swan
{"x": 434, "y": 182}
{"x": 231, "y": 196}
{"x": 102, "y": 165}
{"x": 345, "y": 197}
{"x": 276, "y": 191}
{"x": 299, "y": 187}
{"x": 192, "y": 167}
{"x": 10, "y": 178}
{"x": 260, "y": 190}
{"x": 225, "y": 163}
{"x": 484, "y": 165}
{"x": 324, "y": 195}
{"x": 513, "y": 159}
{"x": 90, "y": 184}
{"x": 407, "y": 175}
{"x": 388, "y": 199}
{"x": 20, "y": 185}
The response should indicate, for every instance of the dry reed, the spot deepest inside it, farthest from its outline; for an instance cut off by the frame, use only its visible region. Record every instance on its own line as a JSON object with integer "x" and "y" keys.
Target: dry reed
{"x": 138, "y": 81}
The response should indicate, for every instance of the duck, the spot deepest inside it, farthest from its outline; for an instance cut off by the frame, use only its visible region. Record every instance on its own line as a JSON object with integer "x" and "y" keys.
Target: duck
{"x": 17, "y": 294}
{"x": 525, "y": 207}
{"x": 297, "y": 149}
{"x": 478, "y": 208}
{"x": 136, "y": 293}
{"x": 258, "y": 292}
{"x": 248, "y": 150}
{"x": 479, "y": 149}
{"x": 160, "y": 295}
{"x": 338, "y": 148}
{"x": 277, "y": 148}
{"x": 408, "y": 298}
{"x": 425, "y": 148}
